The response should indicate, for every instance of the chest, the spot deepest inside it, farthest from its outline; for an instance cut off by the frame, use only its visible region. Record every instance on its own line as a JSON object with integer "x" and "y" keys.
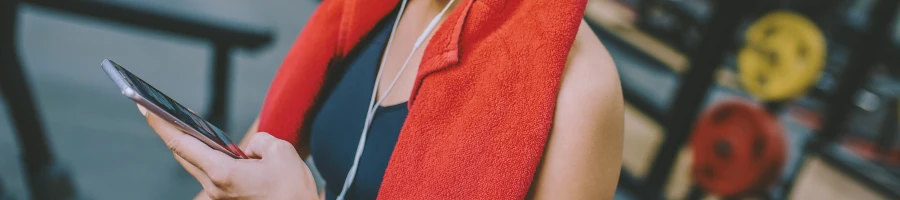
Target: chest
{"x": 475, "y": 107}
{"x": 401, "y": 57}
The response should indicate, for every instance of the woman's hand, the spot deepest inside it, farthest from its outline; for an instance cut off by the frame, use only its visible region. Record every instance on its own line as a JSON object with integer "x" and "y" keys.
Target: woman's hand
{"x": 275, "y": 170}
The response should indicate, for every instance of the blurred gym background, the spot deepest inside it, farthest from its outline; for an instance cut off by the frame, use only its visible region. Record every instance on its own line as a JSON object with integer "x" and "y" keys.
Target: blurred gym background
{"x": 725, "y": 99}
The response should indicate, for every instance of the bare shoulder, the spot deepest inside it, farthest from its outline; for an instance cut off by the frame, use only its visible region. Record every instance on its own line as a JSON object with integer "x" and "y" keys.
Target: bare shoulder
{"x": 590, "y": 79}
{"x": 590, "y": 106}
{"x": 589, "y": 63}
{"x": 584, "y": 150}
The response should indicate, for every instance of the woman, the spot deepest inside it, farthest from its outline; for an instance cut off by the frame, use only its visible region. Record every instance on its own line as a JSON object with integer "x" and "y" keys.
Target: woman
{"x": 500, "y": 99}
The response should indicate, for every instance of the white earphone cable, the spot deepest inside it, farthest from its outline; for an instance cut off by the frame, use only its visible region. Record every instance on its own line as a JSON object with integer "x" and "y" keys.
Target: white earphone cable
{"x": 373, "y": 106}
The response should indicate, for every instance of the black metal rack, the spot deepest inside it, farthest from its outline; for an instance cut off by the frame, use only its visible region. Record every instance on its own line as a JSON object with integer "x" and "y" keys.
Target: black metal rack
{"x": 46, "y": 178}
{"x": 862, "y": 60}
{"x": 695, "y": 86}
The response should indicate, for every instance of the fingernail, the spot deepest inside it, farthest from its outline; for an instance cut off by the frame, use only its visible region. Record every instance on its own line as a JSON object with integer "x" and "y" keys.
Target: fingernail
{"x": 142, "y": 109}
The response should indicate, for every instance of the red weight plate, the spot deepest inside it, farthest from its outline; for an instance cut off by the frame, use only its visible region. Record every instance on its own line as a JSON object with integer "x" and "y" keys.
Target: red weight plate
{"x": 738, "y": 149}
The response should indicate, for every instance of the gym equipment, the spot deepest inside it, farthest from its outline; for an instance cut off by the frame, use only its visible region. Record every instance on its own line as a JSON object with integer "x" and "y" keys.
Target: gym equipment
{"x": 789, "y": 55}
{"x": 738, "y": 149}
{"x": 676, "y": 23}
{"x": 783, "y": 56}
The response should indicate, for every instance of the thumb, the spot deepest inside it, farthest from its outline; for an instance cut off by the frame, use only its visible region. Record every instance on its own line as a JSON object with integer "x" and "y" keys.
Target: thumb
{"x": 263, "y": 145}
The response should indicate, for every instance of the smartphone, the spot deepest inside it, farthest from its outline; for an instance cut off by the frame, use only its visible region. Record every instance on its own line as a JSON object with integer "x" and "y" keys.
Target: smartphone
{"x": 170, "y": 110}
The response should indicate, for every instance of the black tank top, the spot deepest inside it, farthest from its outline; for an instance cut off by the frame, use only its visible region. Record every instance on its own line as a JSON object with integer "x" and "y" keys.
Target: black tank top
{"x": 337, "y": 126}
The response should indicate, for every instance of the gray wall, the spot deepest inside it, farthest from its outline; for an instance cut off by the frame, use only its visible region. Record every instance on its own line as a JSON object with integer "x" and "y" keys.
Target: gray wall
{"x": 96, "y": 132}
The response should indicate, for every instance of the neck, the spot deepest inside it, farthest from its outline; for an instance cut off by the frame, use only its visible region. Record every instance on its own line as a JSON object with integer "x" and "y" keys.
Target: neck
{"x": 420, "y": 12}
{"x": 436, "y": 6}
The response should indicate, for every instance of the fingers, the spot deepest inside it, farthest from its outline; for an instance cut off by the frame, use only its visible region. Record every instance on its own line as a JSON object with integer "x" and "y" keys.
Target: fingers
{"x": 194, "y": 171}
{"x": 142, "y": 109}
{"x": 195, "y": 157}
{"x": 202, "y": 178}
{"x": 262, "y": 144}
{"x": 187, "y": 147}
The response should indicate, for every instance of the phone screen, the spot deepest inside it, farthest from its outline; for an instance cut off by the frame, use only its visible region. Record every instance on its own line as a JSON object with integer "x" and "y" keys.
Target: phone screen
{"x": 178, "y": 111}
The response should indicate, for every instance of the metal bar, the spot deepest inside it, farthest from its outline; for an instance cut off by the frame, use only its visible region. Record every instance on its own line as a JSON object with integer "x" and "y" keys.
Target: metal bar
{"x": 642, "y": 104}
{"x": 3, "y": 194}
{"x": 217, "y": 114}
{"x": 250, "y": 36}
{"x": 608, "y": 36}
{"x": 631, "y": 95}
{"x": 637, "y": 187}
{"x": 643, "y": 8}
{"x": 14, "y": 84}
{"x": 45, "y": 178}
{"x": 861, "y": 61}
{"x": 888, "y": 131}
{"x": 874, "y": 177}
{"x": 696, "y": 193}
{"x": 695, "y": 85}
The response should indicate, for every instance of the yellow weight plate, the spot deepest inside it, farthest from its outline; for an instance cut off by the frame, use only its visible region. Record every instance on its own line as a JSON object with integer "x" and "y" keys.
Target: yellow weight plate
{"x": 783, "y": 56}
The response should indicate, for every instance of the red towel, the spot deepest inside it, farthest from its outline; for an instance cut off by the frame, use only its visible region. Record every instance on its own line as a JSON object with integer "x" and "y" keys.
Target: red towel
{"x": 483, "y": 101}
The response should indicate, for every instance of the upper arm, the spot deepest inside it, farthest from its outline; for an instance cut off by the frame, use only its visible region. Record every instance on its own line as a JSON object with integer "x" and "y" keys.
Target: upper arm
{"x": 583, "y": 155}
